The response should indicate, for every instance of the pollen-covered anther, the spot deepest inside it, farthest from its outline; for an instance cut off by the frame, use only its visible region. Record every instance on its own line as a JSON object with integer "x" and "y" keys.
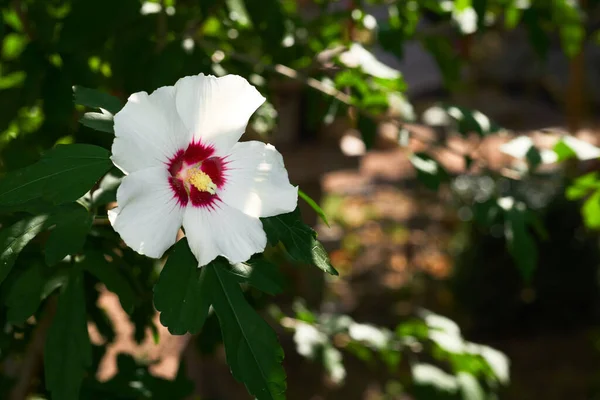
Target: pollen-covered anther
{"x": 201, "y": 181}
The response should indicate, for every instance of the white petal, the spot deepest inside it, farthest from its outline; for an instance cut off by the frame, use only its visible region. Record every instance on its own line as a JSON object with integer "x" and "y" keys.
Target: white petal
{"x": 148, "y": 131}
{"x": 257, "y": 182}
{"x": 222, "y": 231}
{"x": 148, "y": 217}
{"x": 216, "y": 110}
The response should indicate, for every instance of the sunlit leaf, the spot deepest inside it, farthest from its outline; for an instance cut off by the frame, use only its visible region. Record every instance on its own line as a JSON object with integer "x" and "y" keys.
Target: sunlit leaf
{"x": 583, "y": 186}
{"x": 299, "y": 240}
{"x": 98, "y": 121}
{"x": 591, "y": 211}
{"x": 313, "y": 204}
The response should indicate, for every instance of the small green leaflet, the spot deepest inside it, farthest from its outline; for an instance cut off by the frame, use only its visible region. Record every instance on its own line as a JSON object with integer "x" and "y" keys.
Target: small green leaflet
{"x": 14, "y": 239}
{"x": 583, "y": 186}
{"x": 299, "y": 240}
{"x": 313, "y": 204}
{"x": 258, "y": 272}
{"x": 520, "y": 242}
{"x": 98, "y": 121}
{"x": 64, "y": 174}
{"x": 591, "y": 211}
{"x": 68, "y": 237}
{"x": 68, "y": 352}
{"x": 25, "y": 294}
{"x": 182, "y": 293}
{"x": 96, "y": 99}
{"x": 109, "y": 274}
{"x": 253, "y": 352}
{"x": 368, "y": 131}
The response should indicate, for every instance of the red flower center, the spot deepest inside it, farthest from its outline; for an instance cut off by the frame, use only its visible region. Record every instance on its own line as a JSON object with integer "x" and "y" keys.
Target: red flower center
{"x": 195, "y": 174}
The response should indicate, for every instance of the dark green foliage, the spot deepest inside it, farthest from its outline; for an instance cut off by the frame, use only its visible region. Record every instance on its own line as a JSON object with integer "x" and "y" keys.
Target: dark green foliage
{"x": 260, "y": 273}
{"x": 429, "y": 172}
{"x": 64, "y": 174}
{"x": 68, "y": 236}
{"x": 14, "y": 239}
{"x": 68, "y": 352}
{"x": 96, "y": 99}
{"x": 25, "y": 294}
{"x": 182, "y": 293}
{"x": 112, "y": 276}
{"x": 299, "y": 240}
{"x": 253, "y": 352}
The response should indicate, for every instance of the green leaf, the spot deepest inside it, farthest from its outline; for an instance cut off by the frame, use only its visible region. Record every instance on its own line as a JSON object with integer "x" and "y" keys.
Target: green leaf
{"x": 446, "y": 57}
{"x": 68, "y": 352}
{"x": 96, "y": 99}
{"x": 512, "y": 16}
{"x": 259, "y": 273}
{"x": 533, "y": 157}
{"x": 368, "y": 131}
{"x": 591, "y": 211}
{"x": 538, "y": 36}
{"x": 98, "y": 121}
{"x": 110, "y": 275}
{"x": 253, "y": 352}
{"x": 69, "y": 235}
{"x": 313, "y": 204}
{"x": 520, "y": 242}
{"x": 583, "y": 186}
{"x": 429, "y": 171}
{"x": 182, "y": 293}
{"x": 25, "y": 294}
{"x": 14, "y": 239}
{"x": 299, "y": 240}
{"x": 563, "y": 151}
{"x": 64, "y": 174}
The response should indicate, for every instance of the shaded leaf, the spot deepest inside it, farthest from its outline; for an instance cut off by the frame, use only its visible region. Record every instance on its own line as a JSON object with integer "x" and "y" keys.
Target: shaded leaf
{"x": 14, "y": 239}
{"x": 96, "y": 99}
{"x": 69, "y": 235}
{"x": 520, "y": 242}
{"x": 108, "y": 273}
{"x": 299, "y": 240}
{"x": 368, "y": 131}
{"x": 25, "y": 294}
{"x": 259, "y": 273}
{"x": 68, "y": 352}
{"x": 182, "y": 293}
{"x": 253, "y": 352}
{"x": 64, "y": 174}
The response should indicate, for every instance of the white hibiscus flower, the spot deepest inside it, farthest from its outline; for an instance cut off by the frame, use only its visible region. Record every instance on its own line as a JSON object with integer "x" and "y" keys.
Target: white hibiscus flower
{"x": 185, "y": 167}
